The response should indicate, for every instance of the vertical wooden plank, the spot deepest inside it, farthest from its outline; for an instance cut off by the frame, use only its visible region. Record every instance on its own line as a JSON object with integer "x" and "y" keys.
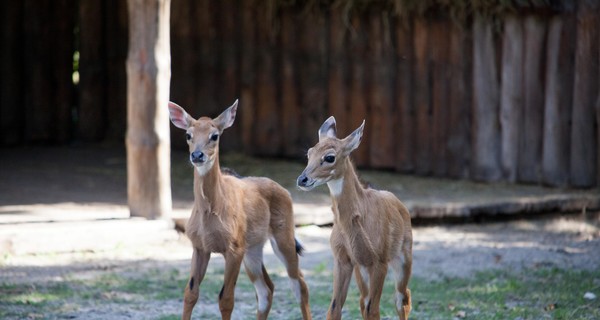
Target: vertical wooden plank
{"x": 439, "y": 50}
{"x": 511, "y": 96}
{"x": 115, "y": 32}
{"x": 183, "y": 61}
{"x": 405, "y": 123}
{"x": 248, "y": 76}
{"x": 459, "y": 141}
{"x": 312, "y": 74}
{"x": 38, "y": 91}
{"x": 289, "y": 88}
{"x": 382, "y": 114}
{"x": 64, "y": 13}
{"x": 423, "y": 108}
{"x": 204, "y": 29}
{"x": 583, "y": 137}
{"x": 338, "y": 95}
{"x": 229, "y": 86}
{"x": 530, "y": 142}
{"x": 12, "y": 115}
{"x": 358, "y": 98}
{"x": 558, "y": 100}
{"x": 91, "y": 124}
{"x": 267, "y": 125}
{"x": 486, "y": 134}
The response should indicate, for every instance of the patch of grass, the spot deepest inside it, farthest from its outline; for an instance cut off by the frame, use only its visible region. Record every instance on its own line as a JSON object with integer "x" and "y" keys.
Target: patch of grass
{"x": 529, "y": 294}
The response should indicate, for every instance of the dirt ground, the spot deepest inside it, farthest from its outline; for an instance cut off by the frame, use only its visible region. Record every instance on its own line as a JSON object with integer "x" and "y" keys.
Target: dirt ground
{"x": 86, "y": 189}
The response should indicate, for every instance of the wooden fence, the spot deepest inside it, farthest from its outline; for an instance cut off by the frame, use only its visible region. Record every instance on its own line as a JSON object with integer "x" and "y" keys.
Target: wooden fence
{"x": 514, "y": 98}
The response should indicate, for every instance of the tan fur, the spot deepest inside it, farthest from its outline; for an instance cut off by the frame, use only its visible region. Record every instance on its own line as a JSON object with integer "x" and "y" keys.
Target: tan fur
{"x": 235, "y": 217}
{"x": 372, "y": 228}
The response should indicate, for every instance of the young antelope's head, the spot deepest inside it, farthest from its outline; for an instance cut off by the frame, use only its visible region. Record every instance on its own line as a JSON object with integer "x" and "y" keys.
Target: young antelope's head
{"x": 202, "y": 135}
{"x": 327, "y": 158}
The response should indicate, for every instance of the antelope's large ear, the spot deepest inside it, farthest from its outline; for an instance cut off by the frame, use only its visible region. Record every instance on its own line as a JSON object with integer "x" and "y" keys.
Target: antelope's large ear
{"x": 226, "y": 118}
{"x": 179, "y": 117}
{"x": 327, "y": 129}
{"x": 351, "y": 142}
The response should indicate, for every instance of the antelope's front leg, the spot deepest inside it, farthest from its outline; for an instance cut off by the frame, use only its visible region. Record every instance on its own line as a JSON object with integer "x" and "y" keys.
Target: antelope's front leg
{"x": 233, "y": 262}
{"x": 342, "y": 273}
{"x": 200, "y": 260}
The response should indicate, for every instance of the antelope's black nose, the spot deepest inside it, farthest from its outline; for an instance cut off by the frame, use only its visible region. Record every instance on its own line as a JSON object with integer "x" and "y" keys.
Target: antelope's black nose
{"x": 302, "y": 180}
{"x": 197, "y": 157}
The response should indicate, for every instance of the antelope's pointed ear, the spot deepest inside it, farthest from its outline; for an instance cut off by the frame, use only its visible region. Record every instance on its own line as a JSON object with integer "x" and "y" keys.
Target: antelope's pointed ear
{"x": 327, "y": 129}
{"x": 179, "y": 117}
{"x": 352, "y": 141}
{"x": 227, "y": 117}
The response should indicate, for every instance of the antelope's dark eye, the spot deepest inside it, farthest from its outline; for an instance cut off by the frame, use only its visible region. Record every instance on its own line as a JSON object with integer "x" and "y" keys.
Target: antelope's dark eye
{"x": 188, "y": 137}
{"x": 329, "y": 158}
{"x": 214, "y": 137}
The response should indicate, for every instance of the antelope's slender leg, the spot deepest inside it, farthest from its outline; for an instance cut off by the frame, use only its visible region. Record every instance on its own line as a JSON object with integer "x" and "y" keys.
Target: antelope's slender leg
{"x": 402, "y": 266}
{"x": 233, "y": 262}
{"x": 253, "y": 263}
{"x": 362, "y": 280}
{"x": 377, "y": 273}
{"x": 199, "y": 263}
{"x": 342, "y": 273}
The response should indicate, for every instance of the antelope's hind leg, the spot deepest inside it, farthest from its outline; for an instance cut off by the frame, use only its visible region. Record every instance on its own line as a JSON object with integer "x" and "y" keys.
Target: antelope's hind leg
{"x": 402, "y": 267}
{"x": 284, "y": 245}
{"x": 253, "y": 262}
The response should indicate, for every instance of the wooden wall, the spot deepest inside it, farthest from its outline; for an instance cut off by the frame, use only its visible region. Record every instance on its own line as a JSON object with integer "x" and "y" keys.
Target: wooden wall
{"x": 511, "y": 99}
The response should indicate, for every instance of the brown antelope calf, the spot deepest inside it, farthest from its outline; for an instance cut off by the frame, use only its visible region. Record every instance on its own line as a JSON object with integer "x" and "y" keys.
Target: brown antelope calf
{"x": 235, "y": 216}
{"x": 371, "y": 229}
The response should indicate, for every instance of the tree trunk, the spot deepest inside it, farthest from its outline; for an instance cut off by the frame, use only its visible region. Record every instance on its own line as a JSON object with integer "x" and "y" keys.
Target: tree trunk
{"x": 148, "y": 76}
{"x": 486, "y": 134}
{"x": 511, "y": 98}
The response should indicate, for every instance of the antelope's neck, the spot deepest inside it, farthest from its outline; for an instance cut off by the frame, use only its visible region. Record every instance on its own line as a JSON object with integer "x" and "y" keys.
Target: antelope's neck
{"x": 208, "y": 186}
{"x": 347, "y": 192}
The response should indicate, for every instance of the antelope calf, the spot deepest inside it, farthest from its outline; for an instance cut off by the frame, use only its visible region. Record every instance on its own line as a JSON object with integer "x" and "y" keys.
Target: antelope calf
{"x": 235, "y": 217}
{"x": 371, "y": 229}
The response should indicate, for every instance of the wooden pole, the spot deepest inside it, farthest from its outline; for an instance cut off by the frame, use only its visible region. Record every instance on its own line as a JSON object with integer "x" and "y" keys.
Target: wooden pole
{"x": 148, "y": 76}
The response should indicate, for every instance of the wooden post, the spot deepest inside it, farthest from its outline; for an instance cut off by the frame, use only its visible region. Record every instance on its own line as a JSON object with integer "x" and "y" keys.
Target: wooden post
{"x": 247, "y": 108}
{"x": 148, "y": 76}
{"x": 358, "y": 99}
{"x": 558, "y": 101}
{"x": 486, "y": 133}
{"x": 338, "y": 71}
{"x": 511, "y": 96}
{"x": 583, "y": 137}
